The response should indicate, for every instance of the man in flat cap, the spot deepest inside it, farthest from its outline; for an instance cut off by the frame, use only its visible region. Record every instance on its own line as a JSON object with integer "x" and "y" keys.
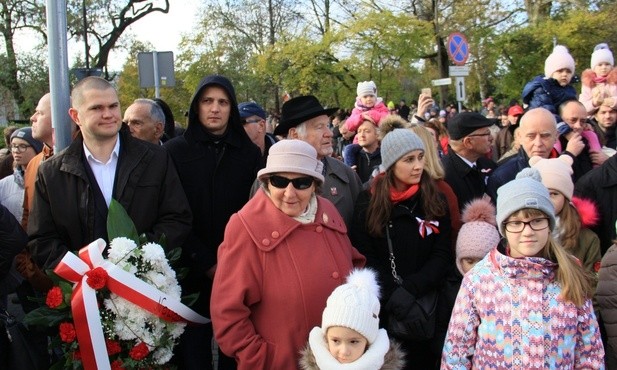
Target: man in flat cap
{"x": 305, "y": 119}
{"x": 254, "y": 122}
{"x": 466, "y": 163}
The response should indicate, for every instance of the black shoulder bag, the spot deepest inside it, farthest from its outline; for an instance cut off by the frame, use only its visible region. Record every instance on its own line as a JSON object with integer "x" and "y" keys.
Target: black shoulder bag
{"x": 409, "y": 319}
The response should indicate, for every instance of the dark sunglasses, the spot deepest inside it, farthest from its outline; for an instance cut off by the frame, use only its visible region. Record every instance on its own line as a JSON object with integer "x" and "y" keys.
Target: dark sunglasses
{"x": 300, "y": 183}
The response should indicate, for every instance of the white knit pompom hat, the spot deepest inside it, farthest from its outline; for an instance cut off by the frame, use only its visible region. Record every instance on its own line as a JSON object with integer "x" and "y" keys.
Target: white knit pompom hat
{"x": 366, "y": 88}
{"x": 601, "y": 53}
{"x": 560, "y": 58}
{"x": 355, "y": 305}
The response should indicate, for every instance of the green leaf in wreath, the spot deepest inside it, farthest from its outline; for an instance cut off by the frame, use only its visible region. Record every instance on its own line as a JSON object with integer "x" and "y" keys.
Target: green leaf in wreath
{"x": 119, "y": 224}
{"x": 173, "y": 255}
{"x": 190, "y": 299}
{"x": 45, "y": 316}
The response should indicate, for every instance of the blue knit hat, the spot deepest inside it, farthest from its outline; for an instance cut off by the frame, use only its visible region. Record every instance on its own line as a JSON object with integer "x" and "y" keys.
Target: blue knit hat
{"x": 525, "y": 191}
{"x": 25, "y": 133}
{"x": 396, "y": 144}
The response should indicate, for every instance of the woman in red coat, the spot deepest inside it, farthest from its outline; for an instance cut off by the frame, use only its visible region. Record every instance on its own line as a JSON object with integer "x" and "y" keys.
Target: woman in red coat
{"x": 283, "y": 254}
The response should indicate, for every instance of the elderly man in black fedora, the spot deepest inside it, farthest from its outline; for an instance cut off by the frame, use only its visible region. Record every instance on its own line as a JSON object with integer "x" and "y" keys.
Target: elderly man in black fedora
{"x": 304, "y": 118}
{"x": 466, "y": 164}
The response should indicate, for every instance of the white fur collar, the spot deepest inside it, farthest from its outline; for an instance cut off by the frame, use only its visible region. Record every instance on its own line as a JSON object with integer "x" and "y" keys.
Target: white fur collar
{"x": 372, "y": 359}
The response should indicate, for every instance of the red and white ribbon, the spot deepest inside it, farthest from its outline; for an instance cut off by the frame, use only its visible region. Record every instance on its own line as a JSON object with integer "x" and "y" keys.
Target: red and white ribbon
{"x": 85, "y": 307}
{"x": 427, "y": 227}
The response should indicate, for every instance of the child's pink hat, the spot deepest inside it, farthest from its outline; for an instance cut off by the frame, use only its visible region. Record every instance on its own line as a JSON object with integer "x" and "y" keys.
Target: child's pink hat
{"x": 479, "y": 233}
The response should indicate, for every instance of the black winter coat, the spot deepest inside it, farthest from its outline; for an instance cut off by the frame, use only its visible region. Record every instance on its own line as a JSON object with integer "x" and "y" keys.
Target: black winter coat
{"x": 216, "y": 174}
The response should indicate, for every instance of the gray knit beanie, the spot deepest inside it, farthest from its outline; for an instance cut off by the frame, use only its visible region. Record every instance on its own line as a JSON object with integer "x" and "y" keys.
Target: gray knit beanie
{"x": 396, "y": 144}
{"x": 25, "y": 133}
{"x": 525, "y": 191}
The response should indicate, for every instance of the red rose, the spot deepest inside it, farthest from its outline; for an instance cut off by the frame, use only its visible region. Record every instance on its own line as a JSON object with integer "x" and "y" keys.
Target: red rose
{"x": 139, "y": 352}
{"x": 97, "y": 278}
{"x": 596, "y": 266}
{"x": 117, "y": 365}
{"x": 67, "y": 332}
{"x": 113, "y": 347}
{"x": 54, "y": 297}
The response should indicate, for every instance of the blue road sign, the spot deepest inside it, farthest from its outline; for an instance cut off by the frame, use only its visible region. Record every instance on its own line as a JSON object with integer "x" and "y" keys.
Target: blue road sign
{"x": 458, "y": 48}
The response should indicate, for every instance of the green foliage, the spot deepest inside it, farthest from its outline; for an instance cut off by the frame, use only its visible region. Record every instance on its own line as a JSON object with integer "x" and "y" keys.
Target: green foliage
{"x": 119, "y": 224}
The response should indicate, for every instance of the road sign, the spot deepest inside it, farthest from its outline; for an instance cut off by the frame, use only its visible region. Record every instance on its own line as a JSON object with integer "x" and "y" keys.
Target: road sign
{"x": 442, "y": 82}
{"x": 460, "y": 89}
{"x": 458, "y": 48}
{"x": 156, "y": 69}
{"x": 458, "y": 71}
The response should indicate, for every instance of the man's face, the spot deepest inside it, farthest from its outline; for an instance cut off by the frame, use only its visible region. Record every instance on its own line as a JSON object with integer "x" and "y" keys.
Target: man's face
{"x": 367, "y": 136}
{"x": 575, "y": 115}
{"x": 255, "y": 128}
{"x": 537, "y": 133}
{"x": 41, "y": 120}
{"x": 137, "y": 116}
{"x": 481, "y": 140}
{"x": 98, "y": 115}
{"x": 317, "y": 134}
{"x": 606, "y": 117}
{"x": 214, "y": 109}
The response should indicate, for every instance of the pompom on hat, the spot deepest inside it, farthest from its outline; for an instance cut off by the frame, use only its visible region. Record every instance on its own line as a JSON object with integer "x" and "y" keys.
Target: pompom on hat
{"x": 396, "y": 144}
{"x": 560, "y": 58}
{"x": 479, "y": 234}
{"x": 355, "y": 305}
{"x": 602, "y": 53}
{"x": 366, "y": 88}
{"x": 556, "y": 173}
{"x": 295, "y": 156}
{"x": 525, "y": 191}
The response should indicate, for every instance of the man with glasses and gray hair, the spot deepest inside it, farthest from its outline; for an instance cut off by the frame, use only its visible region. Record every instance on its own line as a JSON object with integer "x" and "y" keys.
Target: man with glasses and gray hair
{"x": 466, "y": 164}
{"x": 146, "y": 120}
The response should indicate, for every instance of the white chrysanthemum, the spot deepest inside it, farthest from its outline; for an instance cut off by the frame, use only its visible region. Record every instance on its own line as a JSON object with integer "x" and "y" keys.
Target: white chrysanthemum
{"x": 120, "y": 248}
{"x": 153, "y": 253}
{"x": 177, "y": 329}
{"x": 157, "y": 279}
{"x": 162, "y": 355}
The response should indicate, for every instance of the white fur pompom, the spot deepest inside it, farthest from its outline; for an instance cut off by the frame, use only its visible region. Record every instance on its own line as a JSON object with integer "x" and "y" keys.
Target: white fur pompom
{"x": 365, "y": 278}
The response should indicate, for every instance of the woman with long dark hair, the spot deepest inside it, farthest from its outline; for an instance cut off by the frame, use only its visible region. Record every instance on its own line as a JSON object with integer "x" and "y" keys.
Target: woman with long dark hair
{"x": 405, "y": 205}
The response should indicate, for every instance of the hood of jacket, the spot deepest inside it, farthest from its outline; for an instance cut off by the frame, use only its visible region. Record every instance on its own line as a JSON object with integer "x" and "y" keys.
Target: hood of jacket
{"x": 234, "y": 123}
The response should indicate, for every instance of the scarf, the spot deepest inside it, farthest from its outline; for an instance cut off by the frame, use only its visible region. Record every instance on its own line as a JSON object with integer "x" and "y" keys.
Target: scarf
{"x": 309, "y": 215}
{"x": 600, "y": 79}
{"x": 397, "y": 196}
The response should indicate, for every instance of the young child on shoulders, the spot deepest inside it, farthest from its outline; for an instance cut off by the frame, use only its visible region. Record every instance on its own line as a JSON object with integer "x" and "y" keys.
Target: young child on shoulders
{"x": 599, "y": 84}
{"x": 349, "y": 337}
{"x": 368, "y": 106}
{"x": 555, "y": 88}
{"x": 527, "y": 305}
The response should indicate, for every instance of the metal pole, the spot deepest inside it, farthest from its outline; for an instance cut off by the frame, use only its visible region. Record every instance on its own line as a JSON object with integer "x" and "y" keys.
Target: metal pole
{"x": 59, "y": 73}
{"x": 157, "y": 83}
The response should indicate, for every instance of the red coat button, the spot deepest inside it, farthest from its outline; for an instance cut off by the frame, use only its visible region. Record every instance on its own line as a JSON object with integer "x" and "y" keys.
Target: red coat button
{"x": 319, "y": 229}
{"x": 335, "y": 275}
{"x": 275, "y": 234}
{"x": 265, "y": 242}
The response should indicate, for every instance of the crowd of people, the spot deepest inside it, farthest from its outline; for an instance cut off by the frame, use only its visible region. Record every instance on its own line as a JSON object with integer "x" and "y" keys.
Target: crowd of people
{"x": 314, "y": 239}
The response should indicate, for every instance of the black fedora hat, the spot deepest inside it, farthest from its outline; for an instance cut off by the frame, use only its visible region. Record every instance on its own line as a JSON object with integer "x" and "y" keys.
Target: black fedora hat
{"x": 300, "y": 109}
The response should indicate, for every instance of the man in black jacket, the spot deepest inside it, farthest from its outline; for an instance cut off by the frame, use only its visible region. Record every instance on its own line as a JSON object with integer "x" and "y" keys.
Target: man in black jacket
{"x": 466, "y": 164}
{"x": 217, "y": 163}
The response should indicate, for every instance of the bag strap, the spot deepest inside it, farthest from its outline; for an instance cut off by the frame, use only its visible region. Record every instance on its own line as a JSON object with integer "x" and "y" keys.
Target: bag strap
{"x": 397, "y": 278}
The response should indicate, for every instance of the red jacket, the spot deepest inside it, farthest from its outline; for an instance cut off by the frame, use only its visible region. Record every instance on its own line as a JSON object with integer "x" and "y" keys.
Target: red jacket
{"x": 272, "y": 281}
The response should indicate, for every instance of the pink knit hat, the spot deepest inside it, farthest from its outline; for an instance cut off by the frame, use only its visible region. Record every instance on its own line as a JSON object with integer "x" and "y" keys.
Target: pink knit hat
{"x": 295, "y": 156}
{"x": 479, "y": 234}
{"x": 556, "y": 173}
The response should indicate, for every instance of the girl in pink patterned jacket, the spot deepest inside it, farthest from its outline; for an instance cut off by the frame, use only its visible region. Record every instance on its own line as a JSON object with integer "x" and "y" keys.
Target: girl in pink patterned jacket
{"x": 527, "y": 304}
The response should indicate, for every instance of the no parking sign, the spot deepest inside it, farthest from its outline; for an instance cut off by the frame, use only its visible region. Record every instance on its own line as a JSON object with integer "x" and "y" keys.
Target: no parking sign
{"x": 458, "y": 48}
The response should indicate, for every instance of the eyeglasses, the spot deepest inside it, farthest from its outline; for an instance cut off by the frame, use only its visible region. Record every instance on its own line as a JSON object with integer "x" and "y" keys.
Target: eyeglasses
{"x": 536, "y": 224}
{"x": 20, "y": 148}
{"x": 484, "y": 134}
{"x": 251, "y": 121}
{"x": 300, "y": 183}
